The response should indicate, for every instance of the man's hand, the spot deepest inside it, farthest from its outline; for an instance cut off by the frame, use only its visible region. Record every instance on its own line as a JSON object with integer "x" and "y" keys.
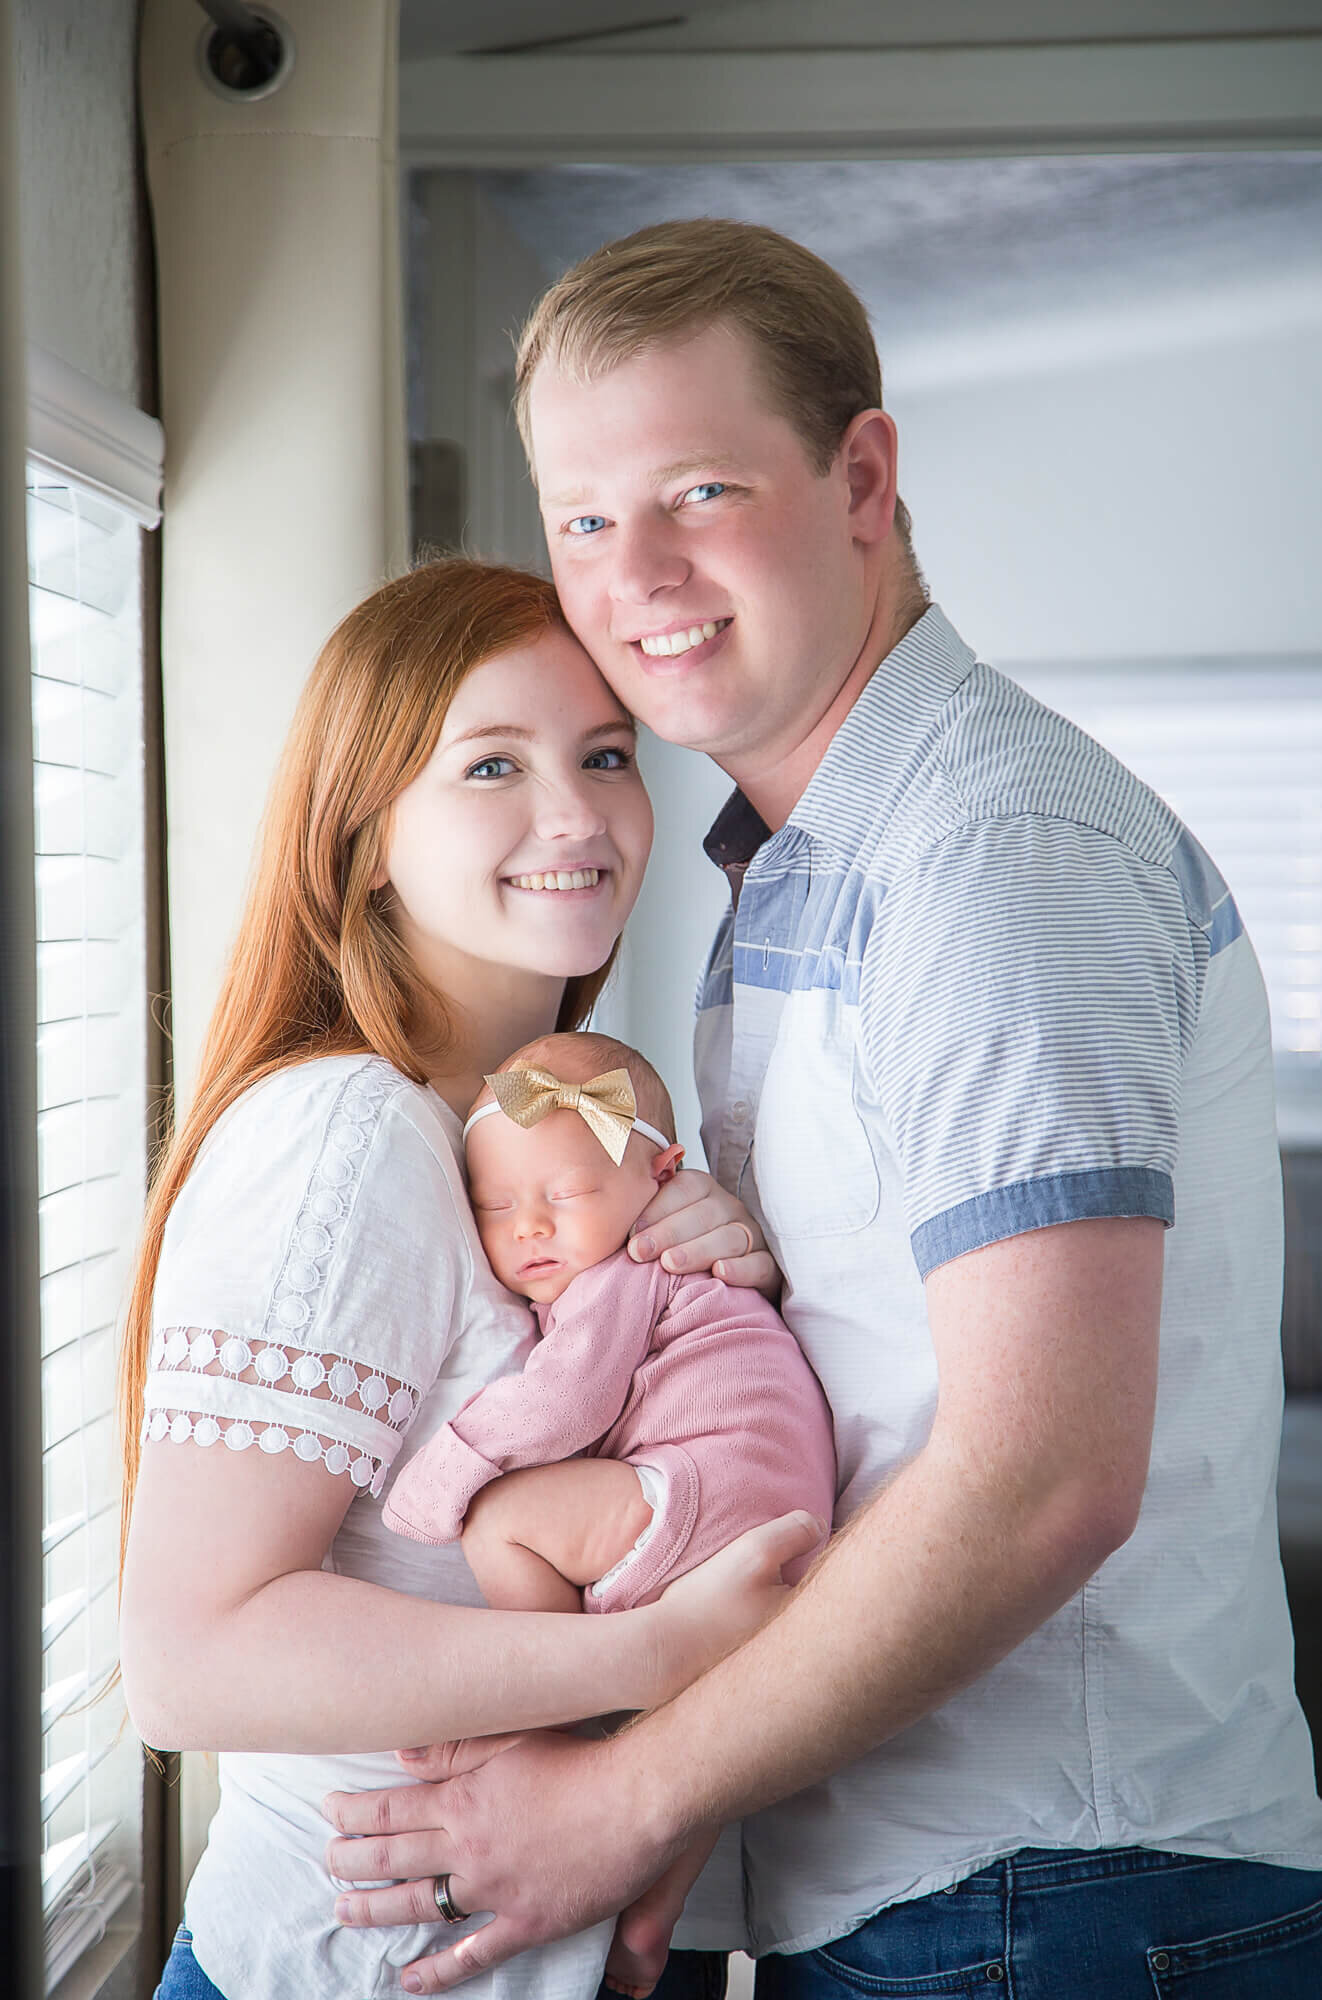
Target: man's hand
{"x": 692, "y": 1224}
{"x": 549, "y": 1834}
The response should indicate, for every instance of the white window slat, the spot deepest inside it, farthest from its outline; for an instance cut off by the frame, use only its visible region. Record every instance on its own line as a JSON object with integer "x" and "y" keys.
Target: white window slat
{"x": 85, "y": 647}
{"x": 80, "y": 1469}
{"x": 79, "y": 1142}
{"x": 73, "y": 726}
{"x": 87, "y": 976}
{"x": 90, "y": 1057}
{"x": 74, "y": 543}
{"x": 59, "y": 1780}
{"x": 87, "y": 1220}
{"x": 74, "y": 1385}
{"x": 58, "y": 1615}
{"x": 78, "y": 1922}
{"x": 68, "y": 1858}
{"x": 84, "y": 896}
{"x": 81, "y": 813}
{"x": 61, "y": 1696}
{"x": 83, "y": 1632}
{"x": 82, "y": 1299}
{"x": 85, "y": 1732}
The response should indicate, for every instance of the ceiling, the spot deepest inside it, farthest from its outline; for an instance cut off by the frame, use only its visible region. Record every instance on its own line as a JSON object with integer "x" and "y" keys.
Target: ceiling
{"x": 980, "y": 256}
{"x": 444, "y": 27}
{"x": 964, "y": 264}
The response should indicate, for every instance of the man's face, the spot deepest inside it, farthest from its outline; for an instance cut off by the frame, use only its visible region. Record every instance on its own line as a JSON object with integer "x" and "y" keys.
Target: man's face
{"x": 714, "y": 575}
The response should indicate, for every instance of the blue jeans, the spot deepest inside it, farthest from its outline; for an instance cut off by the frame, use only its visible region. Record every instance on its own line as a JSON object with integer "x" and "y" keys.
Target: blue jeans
{"x": 1126, "y": 1924}
{"x": 689, "y": 1975}
{"x": 183, "y": 1978}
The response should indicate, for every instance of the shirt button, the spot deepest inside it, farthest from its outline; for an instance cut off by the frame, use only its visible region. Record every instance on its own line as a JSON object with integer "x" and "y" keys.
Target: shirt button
{"x": 739, "y": 1110}
{"x": 1161, "y": 1961}
{"x": 995, "y": 1970}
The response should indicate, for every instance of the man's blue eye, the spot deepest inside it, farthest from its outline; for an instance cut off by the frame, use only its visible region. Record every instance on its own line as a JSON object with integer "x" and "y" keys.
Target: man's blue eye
{"x": 587, "y": 524}
{"x": 491, "y": 767}
{"x": 709, "y": 490}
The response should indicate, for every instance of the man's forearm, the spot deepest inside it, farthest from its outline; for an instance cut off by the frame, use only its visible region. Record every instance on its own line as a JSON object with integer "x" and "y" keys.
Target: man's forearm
{"x": 1046, "y": 1347}
{"x": 936, "y": 1580}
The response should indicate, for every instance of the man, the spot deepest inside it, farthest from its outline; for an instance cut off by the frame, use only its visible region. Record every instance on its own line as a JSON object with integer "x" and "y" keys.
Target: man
{"x": 981, "y": 1023}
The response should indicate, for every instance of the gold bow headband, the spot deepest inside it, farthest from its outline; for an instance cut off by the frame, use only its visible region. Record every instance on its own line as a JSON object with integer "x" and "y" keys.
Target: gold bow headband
{"x": 606, "y": 1104}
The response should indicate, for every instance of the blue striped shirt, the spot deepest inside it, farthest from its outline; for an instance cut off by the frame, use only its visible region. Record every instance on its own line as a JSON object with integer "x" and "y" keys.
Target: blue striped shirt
{"x": 983, "y": 980}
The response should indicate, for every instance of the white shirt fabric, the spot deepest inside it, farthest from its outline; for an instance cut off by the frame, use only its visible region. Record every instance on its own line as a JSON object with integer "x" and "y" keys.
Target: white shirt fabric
{"x": 322, "y": 1290}
{"x": 981, "y": 982}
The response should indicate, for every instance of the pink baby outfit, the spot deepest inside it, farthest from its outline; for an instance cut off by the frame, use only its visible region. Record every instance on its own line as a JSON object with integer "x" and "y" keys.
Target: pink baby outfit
{"x": 701, "y": 1380}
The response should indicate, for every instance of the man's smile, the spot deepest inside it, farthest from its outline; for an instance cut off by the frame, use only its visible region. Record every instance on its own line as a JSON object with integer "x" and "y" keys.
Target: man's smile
{"x": 691, "y": 645}
{"x": 679, "y": 639}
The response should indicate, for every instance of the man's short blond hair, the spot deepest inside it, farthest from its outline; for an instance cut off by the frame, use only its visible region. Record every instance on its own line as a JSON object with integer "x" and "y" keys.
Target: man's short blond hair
{"x": 807, "y": 326}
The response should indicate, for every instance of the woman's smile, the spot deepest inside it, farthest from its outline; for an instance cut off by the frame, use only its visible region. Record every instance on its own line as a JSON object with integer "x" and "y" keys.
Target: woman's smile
{"x": 533, "y": 801}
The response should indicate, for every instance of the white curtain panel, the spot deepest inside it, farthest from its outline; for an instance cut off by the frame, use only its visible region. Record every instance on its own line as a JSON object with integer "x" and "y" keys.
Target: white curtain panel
{"x": 277, "y": 246}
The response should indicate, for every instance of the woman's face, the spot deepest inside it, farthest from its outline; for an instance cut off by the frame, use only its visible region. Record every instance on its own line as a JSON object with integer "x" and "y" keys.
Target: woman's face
{"x": 517, "y": 852}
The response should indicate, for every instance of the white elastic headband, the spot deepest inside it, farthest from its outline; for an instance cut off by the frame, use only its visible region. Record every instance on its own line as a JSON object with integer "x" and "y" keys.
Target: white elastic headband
{"x": 639, "y": 1125}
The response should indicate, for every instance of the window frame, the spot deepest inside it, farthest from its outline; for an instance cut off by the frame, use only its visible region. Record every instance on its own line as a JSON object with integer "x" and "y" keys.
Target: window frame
{"x": 103, "y": 444}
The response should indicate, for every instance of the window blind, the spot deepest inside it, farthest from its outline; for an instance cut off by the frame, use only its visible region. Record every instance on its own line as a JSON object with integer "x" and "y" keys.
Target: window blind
{"x": 85, "y": 617}
{"x": 1235, "y": 748}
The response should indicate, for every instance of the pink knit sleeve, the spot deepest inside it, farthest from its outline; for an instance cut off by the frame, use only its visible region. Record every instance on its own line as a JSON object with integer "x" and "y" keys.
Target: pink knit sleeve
{"x": 569, "y": 1392}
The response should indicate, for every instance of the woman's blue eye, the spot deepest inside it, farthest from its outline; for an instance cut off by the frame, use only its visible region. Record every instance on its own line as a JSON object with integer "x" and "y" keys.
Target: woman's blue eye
{"x": 586, "y": 524}
{"x": 620, "y": 759}
{"x": 491, "y": 767}
{"x": 709, "y": 490}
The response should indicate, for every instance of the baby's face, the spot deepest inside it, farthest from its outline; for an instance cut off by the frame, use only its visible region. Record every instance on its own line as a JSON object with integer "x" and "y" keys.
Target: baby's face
{"x": 550, "y": 1201}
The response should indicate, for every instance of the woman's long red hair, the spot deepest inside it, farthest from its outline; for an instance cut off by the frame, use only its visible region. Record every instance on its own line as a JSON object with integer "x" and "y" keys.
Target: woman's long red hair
{"x": 316, "y": 968}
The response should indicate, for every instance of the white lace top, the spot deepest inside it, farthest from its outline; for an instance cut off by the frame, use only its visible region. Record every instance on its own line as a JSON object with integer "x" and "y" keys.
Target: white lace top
{"x": 322, "y": 1290}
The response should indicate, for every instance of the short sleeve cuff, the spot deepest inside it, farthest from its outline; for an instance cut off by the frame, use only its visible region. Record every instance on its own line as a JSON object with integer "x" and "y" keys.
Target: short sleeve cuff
{"x": 1037, "y": 1204}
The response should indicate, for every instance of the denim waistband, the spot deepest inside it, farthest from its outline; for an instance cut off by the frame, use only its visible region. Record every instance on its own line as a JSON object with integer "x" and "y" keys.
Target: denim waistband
{"x": 1045, "y": 1867}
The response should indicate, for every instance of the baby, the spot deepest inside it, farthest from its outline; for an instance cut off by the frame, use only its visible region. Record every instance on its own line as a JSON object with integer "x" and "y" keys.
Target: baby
{"x": 690, "y": 1404}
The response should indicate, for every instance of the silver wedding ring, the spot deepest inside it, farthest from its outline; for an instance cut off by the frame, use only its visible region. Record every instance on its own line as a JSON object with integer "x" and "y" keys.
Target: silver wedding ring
{"x": 445, "y": 1902}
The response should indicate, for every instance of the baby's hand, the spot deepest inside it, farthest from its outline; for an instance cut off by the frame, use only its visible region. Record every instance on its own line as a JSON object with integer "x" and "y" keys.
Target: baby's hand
{"x": 692, "y": 1224}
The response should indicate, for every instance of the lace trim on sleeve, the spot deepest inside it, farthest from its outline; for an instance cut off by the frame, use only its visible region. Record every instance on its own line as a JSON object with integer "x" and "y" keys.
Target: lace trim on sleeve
{"x": 285, "y": 1386}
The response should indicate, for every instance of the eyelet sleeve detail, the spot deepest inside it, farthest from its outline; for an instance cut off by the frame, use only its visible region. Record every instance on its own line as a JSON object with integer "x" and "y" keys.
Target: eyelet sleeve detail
{"x": 209, "y": 1387}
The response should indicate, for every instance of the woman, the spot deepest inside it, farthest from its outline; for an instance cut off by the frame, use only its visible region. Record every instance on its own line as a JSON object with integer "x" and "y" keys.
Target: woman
{"x": 457, "y": 835}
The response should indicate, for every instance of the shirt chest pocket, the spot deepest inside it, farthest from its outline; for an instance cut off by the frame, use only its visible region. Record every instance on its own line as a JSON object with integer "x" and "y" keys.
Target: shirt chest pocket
{"x": 816, "y": 1175}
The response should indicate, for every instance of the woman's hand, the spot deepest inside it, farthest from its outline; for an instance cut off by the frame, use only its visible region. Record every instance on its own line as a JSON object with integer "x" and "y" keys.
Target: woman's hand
{"x": 705, "y": 1614}
{"x": 692, "y": 1224}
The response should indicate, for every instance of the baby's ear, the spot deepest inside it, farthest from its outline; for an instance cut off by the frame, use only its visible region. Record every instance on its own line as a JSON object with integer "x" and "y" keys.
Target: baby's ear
{"x": 666, "y": 1165}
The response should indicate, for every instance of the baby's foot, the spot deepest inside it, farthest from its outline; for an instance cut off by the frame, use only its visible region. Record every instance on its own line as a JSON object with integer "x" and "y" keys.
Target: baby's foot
{"x": 638, "y": 1951}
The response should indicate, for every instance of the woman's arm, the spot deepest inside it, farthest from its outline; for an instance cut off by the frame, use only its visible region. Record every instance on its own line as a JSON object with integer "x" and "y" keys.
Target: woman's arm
{"x": 234, "y": 1638}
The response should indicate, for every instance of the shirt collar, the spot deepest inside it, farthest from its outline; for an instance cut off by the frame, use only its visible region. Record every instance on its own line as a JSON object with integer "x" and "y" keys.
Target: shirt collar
{"x": 869, "y": 751}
